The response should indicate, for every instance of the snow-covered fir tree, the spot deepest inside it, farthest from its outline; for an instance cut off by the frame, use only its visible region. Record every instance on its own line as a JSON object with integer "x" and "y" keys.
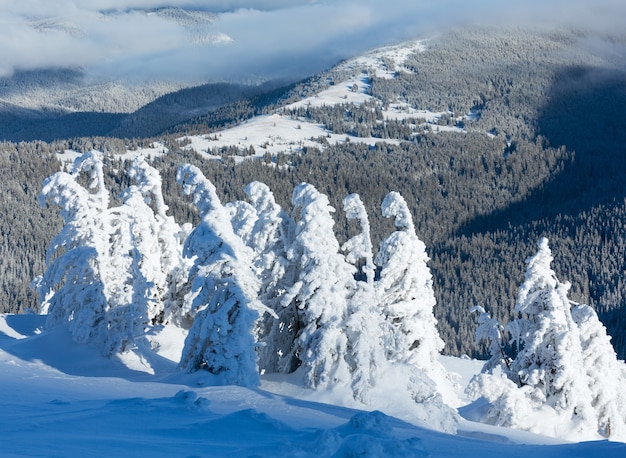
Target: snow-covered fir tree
{"x": 405, "y": 289}
{"x": 490, "y": 330}
{"x": 223, "y": 297}
{"x": 606, "y": 375}
{"x": 270, "y": 237}
{"x": 364, "y": 321}
{"x": 321, "y": 292}
{"x": 159, "y": 239}
{"x": 73, "y": 288}
{"x": 549, "y": 373}
{"x": 106, "y": 258}
{"x": 550, "y": 356}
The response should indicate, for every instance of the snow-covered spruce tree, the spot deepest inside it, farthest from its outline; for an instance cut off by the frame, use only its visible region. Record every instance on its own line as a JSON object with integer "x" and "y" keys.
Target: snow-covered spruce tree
{"x": 606, "y": 375}
{"x": 405, "y": 289}
{"x": 364, "y": 321}
{"x": 405, "y": 292}
{"x": 158, "y": 239}
{"x": 324, "y": 285}
{"x": 223, "y": 294}
{"x": 550, "y": 359}
{"x": 73, "y": 288}
{"x": 270, "y": 238}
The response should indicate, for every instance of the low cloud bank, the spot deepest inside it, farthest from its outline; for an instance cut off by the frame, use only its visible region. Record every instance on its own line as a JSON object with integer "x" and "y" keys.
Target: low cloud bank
{"x": 190, "y": 41}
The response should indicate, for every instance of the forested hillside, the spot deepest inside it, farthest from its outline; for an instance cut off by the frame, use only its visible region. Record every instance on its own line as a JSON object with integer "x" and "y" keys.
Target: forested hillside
{"x": 542, "y": 154}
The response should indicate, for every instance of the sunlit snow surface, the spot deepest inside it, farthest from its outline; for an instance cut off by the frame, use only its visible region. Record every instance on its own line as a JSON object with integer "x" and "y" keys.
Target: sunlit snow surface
{"x": 63, "y": 399}
{"x": 281, "y": 133}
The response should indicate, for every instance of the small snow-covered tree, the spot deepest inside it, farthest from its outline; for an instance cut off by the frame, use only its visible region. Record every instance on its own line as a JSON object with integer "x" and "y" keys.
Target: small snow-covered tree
{"x": 490, "y": 330}
{"x": 550, "y": 356}
{"x": 223, "y": 293}
{"x": 405, "y": 289}
{"x": 364, "y": 322}
{"x": 325, "y": 282}
{"x": 605, "y": 374}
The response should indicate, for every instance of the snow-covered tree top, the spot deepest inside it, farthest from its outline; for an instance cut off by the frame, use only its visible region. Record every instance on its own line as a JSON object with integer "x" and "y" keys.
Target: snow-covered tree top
{"x": 149, "y": 182}
{"x": 395, "y": 206}
{"x": 261, "y": 197}
{"x": 539, "y": 280}
{"x": 309, "y": 199}
{"x": 194, "y": 182}
{"x": 359, "y": 246}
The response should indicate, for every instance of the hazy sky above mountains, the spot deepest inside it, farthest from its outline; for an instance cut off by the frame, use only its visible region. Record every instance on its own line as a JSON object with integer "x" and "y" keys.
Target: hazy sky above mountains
{"x": 266, "y": 38}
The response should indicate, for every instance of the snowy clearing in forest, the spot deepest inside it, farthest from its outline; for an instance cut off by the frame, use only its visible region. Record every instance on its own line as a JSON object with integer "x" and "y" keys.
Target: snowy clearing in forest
{"x": 282, "y": 133}
{"x": 272, "y": 134}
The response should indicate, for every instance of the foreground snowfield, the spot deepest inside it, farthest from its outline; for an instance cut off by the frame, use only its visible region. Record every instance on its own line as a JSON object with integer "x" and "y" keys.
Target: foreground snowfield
{"x": 62, "y": 399}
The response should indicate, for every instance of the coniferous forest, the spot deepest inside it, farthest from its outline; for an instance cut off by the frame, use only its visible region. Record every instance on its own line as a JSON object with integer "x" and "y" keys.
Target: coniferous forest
{"x": 543, "y": 157}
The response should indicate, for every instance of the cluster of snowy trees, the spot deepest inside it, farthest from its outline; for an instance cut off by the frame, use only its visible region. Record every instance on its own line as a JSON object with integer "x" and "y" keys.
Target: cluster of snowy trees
{"x": 259, "y": 289}
{"x": 565, "y": 365}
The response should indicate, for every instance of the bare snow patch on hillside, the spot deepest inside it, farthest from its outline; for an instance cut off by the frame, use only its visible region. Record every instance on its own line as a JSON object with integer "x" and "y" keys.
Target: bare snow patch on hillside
{"x": 386, "y": 61}
{"x": 271, "y": 134}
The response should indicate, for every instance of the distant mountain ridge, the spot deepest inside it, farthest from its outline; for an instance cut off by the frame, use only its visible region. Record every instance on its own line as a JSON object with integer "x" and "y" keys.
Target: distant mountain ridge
{"x": 58, "y": 104}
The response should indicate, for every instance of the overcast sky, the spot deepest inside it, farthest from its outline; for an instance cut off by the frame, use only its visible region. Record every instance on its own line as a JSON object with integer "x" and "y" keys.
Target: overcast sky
{"x": 245, "y": 39}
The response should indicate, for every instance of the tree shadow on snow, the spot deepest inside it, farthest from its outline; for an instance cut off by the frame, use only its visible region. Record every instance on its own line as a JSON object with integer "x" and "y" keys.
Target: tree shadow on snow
{"x": 56, "y": 349}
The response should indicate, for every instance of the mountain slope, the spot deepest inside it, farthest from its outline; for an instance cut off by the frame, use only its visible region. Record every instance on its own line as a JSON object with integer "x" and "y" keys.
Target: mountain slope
{"x": 497, "y": 137}
{"x": 494, "y": 137}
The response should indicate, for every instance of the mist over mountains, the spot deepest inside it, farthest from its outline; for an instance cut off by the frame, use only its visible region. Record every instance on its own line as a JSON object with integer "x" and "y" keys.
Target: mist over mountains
{"x": 97, "y": 67}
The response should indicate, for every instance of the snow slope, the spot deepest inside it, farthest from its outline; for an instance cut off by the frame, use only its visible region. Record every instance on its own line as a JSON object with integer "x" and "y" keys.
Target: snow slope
{"x": 280, "y": 132}
{"x": 62, "y": 399}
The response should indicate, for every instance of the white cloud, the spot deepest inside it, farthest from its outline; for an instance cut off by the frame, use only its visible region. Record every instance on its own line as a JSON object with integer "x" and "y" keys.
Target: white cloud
{"x": 116, "y": 38}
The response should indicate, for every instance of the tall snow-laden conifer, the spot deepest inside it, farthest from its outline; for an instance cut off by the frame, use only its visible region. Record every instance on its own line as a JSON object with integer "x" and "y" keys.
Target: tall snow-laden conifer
{"x": 74, "y": 289}
{"x": 550, "y": 356}
{"x": 269, "y": 237}
{"x": 224, "y": 291}
{"x": 324, "y": 285}
{"x": 158, "y": 239}
{"x": 406, "y": 293}
{"x": 364, "y": 321}
{"x": 108, "y": 258}
{"x": 606, "y": 375}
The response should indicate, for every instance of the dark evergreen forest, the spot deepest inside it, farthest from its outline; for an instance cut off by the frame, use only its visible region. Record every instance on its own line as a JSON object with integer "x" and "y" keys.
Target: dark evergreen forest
{"x": 553, "y": 165}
